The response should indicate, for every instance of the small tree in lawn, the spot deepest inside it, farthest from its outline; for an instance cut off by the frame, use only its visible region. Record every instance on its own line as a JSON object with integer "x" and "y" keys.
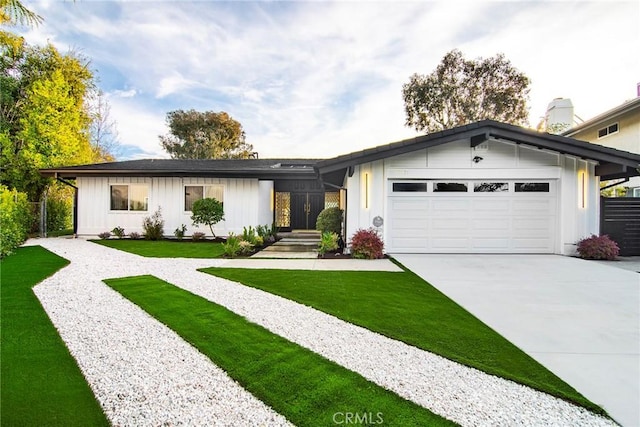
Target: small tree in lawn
{"x": 207, "y": 211}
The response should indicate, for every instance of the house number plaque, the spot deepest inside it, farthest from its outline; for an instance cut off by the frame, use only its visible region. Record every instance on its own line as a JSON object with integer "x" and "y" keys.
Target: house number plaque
{"x": 378, "y": 221}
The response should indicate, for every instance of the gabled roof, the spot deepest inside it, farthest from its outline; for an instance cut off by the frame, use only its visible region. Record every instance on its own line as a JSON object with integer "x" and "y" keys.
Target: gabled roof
{"x": 227, "y": 168}
{"x": 604, "y": 118}
{"x": 612, "y": 163}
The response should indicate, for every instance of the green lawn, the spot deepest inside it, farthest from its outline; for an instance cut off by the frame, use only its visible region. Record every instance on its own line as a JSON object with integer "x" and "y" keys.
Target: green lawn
{"x": 402, "y": 306}
{"x": 299, "y": 384}
{"x": 165, "y": 248}
{"x": 40, "y": 383}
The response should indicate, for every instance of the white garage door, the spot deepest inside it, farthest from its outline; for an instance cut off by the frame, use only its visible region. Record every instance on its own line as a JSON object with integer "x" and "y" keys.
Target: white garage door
{"x": 472, "y": 216}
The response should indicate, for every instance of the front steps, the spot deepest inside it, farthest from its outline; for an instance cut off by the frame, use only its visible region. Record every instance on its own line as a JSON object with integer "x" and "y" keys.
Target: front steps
{"x": 294, "y": 244}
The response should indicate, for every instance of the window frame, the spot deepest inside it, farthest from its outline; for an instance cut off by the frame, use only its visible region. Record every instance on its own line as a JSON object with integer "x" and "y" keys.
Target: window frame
{"x": 204, "y": 192}
{"x": 128, "y": 198}
{"x": 607, "y": 130}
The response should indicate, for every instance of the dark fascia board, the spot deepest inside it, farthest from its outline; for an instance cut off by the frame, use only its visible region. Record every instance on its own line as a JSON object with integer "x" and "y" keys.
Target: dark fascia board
{"x": 490, "y": 128}
{"x": 264, "y": 169}
{"x": 72, "y": 174}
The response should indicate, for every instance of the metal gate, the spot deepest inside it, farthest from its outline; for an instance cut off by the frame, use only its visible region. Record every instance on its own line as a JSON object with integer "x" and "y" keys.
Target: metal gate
{"x": 620, "y": 219}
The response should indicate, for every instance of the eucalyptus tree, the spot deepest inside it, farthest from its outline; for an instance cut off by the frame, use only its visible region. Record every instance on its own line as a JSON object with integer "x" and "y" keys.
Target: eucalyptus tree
{"x": 461, "y": 91}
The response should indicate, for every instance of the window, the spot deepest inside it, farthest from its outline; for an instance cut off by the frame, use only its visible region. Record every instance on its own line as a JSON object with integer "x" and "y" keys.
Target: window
{"x": 331, "y": 199}
{"x": 193, "y": 193}
{"x": 490, "y": 187}
{"x": 409, "y": 187}
{"x": 532, "y": 187}
{"x": 283, "y": 209}
{"x": 450, "y": 187}
{"x": 605, "y": 131}
{"x": 129, "y": 197}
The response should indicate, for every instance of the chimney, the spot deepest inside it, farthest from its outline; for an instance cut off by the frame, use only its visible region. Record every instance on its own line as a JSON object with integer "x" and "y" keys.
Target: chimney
{"x": 559, "y": 114}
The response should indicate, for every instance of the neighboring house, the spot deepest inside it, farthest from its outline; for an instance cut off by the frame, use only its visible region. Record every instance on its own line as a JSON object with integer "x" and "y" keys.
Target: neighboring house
{"x": 486, "y": 187}
{"x": 617, "y": 128}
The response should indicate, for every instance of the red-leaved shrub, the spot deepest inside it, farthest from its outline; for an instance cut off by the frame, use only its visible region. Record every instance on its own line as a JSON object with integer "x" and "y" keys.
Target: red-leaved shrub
{"x": 366, "y": 244}
{"x": 598, "y": 247}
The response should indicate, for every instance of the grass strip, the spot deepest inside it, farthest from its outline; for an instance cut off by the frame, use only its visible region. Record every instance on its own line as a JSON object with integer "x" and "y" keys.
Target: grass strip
{"x": 404, "y": 307}
{"x": 165, "y": 248}
{"x": 306, "y": 388}
{"x": 40, "y": 383}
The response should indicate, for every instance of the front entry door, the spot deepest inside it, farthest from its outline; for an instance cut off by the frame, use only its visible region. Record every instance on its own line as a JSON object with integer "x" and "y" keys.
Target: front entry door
{"x": 305, "y": 208}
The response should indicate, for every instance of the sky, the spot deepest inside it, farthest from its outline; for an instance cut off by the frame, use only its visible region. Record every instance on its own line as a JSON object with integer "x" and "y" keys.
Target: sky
{"x": 316, "y": 79}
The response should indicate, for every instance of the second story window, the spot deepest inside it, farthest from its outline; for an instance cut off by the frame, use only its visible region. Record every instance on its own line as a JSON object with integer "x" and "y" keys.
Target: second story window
{"x": 608, "y": 130}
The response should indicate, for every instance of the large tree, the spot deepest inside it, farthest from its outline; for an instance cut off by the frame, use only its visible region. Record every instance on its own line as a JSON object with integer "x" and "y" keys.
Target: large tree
{"x": 461, "y": 91}
{"x": 204, "y": 135}
{"x": 44, "y": 120}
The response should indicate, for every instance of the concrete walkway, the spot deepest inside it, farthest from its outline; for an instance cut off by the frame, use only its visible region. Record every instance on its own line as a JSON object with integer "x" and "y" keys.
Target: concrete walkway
{"x": 315, "y": 264}
{"x": 581, "y": 319}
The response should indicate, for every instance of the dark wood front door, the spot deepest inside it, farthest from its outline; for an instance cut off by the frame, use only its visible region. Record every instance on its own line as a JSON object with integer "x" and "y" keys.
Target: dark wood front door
{"x": 305, "y": 208}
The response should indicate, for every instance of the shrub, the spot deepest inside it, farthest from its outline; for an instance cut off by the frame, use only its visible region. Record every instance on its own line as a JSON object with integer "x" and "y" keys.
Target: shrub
{"x": 104, "y": 235}
{"x": 330, "y": 220}
{"x": 153, "y": 226}
{"x": 366, "y": 244}
{"x": 598, "y": 247}
{"x": 197, "y": 235}
{"x": 134, "y": 236}
{"x": 59, "y": 207}
{"x": 118, "y": 232}
{"x": 268, "y": 233}
{"x": 245, "y": 247}
{"x": 231, "y": 247}
{"x": 328, "y": 243}
{"x": 179, "y": 232}
{"x": 15, "y": 220}
{"x": 249, "y": 235}
{"x": 207, "y": 211}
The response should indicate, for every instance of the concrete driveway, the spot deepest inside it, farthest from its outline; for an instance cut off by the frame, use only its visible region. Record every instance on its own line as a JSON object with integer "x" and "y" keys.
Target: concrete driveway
{"x": 581, "y": 319}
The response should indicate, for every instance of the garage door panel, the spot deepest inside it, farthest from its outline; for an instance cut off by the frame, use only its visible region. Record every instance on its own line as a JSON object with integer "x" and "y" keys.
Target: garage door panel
{"x": 490, "y": 244}
{"x": 449, "y": 224}
{"x": 408, "y": 244}
{"x": 491, "y": 224}
{"x": 532, "y": 245}
{"x": 493, "y": 205}
{"x": 405, "y": 233}
{"x": 449, "y": 243}
{"x": 450, "y": 206}
{"x": 536, "y": 206}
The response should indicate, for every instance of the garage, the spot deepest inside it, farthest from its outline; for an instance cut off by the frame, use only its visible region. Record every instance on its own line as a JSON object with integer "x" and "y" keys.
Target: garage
{"x": 472, "y": 216}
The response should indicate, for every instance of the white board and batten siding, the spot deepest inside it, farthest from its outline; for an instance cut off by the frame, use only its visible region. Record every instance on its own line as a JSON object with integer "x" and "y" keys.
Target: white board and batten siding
{"x": 246, "y": 203}
{"x": 473, "y": 221}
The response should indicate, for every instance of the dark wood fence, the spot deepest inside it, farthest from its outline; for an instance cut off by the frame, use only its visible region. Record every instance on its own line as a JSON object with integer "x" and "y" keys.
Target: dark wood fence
{"x": 620, "y": 219}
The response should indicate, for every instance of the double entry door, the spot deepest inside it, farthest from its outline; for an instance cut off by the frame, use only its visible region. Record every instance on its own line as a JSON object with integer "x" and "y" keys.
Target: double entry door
{"x": 305, "y": 208}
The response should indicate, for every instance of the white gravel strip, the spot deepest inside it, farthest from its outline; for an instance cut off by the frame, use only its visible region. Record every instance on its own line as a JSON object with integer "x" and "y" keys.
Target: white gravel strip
{"x": 462, "y": 394}
{"x": 141, "y": 372}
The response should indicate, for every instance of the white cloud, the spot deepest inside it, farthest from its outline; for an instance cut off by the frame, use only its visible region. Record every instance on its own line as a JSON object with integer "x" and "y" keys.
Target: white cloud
{"x": 319, "y": 79}
{"x": 130, "y": 93}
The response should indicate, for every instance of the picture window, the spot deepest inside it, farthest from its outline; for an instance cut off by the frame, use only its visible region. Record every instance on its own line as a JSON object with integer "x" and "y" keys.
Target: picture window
{"x": 193, "y": 193}
{"x": 129, "y": 197}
